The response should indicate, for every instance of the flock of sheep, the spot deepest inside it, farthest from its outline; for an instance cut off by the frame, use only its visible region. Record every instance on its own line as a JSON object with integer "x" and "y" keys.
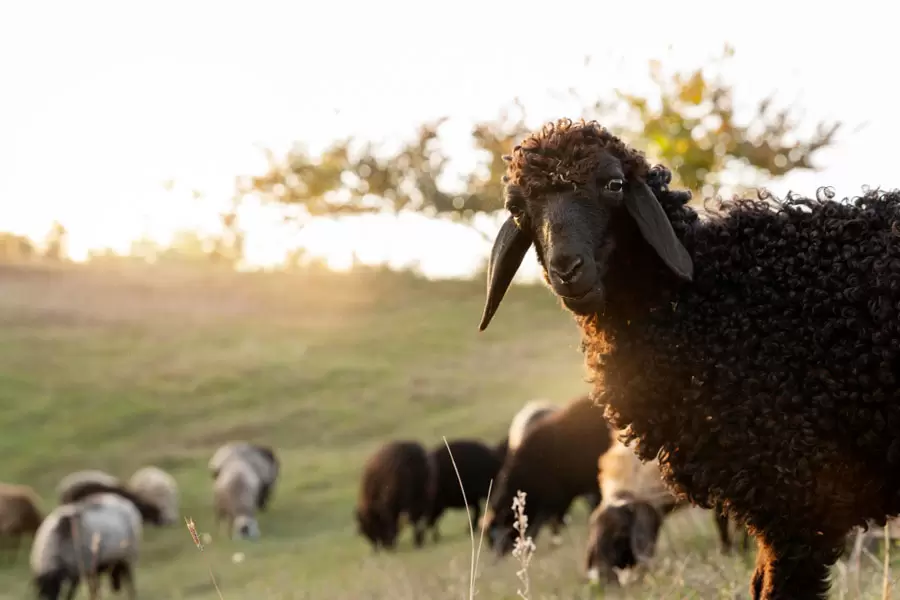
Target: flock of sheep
{"x": 554, "y": 455}
{"x": 749, "y": 355}
{"x": 97, "y": 527}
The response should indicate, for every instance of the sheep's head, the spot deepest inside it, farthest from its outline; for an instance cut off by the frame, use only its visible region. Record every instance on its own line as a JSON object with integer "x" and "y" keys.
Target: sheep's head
{"x": 563, "y": 187}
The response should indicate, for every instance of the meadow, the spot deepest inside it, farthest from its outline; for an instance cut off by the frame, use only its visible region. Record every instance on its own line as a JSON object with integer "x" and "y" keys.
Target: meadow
{"x": 117, "y": 367}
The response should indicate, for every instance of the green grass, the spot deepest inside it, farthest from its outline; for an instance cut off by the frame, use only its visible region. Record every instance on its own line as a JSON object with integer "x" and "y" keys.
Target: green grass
{"x": 114, "y": 368}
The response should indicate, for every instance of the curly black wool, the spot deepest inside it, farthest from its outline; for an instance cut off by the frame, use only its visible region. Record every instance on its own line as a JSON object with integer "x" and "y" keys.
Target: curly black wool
{"x": 766, "y": 382}
{"x": 769, "y": 383}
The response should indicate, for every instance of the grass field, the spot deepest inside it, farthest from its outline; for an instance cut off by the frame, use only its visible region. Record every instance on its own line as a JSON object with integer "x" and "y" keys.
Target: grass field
{"x": 116, "y": 368}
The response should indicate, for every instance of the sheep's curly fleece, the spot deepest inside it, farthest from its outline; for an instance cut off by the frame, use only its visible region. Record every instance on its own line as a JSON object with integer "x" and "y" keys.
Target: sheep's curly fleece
{"x": 769, "y": 383}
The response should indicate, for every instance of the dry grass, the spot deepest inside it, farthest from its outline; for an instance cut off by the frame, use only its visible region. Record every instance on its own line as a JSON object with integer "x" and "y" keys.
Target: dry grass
{"x": 118, "y": 368}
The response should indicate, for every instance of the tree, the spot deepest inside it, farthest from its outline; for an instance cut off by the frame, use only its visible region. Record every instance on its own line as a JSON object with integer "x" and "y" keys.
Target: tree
{"x": 689, "y": 125}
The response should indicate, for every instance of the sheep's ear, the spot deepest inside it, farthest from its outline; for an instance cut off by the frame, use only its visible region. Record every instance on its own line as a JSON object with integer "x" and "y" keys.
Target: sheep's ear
{"x": 645, "y": 529}
{"x": 656, "y": 228}
{"x": 509, "y": 249}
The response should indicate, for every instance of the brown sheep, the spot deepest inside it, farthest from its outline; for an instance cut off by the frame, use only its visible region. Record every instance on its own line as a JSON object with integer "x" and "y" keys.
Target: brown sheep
{"x": 555, "y": 463}
{"x": 20, "y": 515}
{"x": 396, "y": 479}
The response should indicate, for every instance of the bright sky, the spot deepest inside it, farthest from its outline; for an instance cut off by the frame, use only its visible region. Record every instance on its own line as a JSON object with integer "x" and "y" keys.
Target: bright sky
{"x": 103, "y": 101}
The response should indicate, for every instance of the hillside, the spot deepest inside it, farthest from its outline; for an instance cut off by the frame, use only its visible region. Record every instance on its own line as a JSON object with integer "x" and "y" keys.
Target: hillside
{"x": 114, "y": 369}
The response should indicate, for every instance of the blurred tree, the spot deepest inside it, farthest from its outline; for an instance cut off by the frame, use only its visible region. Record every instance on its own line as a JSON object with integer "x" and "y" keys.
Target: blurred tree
{"x": 15, "y": 247}
{"x": 691, "y": 127}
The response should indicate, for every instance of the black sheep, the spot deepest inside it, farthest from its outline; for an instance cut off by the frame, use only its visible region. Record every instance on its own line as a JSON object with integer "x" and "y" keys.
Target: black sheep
{"x": 755, "y": 352}
{"x": 555, "y": 463}
{"x": 396, "y": 479}
{"x": 478, "y": 465}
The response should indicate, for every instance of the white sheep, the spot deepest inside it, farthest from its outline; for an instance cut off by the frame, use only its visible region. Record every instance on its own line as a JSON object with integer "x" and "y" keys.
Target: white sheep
{"x": 70, "y": 485}
{"x": 157, "y": 487}
{"x": 261, "y": 458}
{"x": 101, "y": 533}
{"x": 235, "y": 496}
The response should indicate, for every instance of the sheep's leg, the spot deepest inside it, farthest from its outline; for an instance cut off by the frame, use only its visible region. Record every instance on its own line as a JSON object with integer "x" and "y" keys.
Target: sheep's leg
{"x": 722, "y": 527}
{"x": 73, "y": 587}
{"x": 434, "y": 514}
{"x": 804, "y": 577}
{"x": 122, "y": 574}
{"x": 262, "y": 500}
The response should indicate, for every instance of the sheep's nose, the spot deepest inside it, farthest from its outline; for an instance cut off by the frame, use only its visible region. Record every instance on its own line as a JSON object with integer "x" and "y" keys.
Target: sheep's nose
{"x": 566, "y": 267}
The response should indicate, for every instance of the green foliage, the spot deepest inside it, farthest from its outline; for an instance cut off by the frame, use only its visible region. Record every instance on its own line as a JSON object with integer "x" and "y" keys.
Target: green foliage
{"x": 689, "y": 125}
{"x": 692, "y": 128}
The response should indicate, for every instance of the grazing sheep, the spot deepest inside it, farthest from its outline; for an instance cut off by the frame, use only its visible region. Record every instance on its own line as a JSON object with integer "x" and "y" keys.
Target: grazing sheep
{"x": 754, "y": 352}
{"x": 525, "y": 419}
{"x": 261, "y": 458}
{"x": 477, "y": 464}
{"x": 624, "y": 528}
{"x": 99, "y": 534}
{"x": 556, "y": 463}
{"x": 20, "y": 514}
{"x": 235, "y": 496}
{"x": 68, "y": 486}
{"x": 396, "y": 479}
{"x": 157, "y": 487}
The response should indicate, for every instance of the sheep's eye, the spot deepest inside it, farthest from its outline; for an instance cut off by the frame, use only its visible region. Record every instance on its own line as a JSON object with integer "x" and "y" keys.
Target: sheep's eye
{"x": 515, "y": 209}
{"x": 615, "y": 185}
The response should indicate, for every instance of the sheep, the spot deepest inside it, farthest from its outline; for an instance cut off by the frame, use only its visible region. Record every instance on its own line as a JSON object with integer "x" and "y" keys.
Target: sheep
{"x": 556, "y": 463}
{"x": 99, "y": 534}
{"x": 525, "y": 419}
{"x": 624, "y": 528}
{"x": 754, "y": 352}
{"x": 235, "y": 497}
{"x": 261, "y": 458}
{"x": 157, "y": 487}
{"x": 20, "y": 514}
{"x": 397, "y": 478}
{"x": 68, "y": 486}
{"x": 477, "y": 465}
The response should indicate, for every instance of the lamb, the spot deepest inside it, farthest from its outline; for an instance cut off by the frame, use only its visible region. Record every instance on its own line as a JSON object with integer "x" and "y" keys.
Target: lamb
{"x": 99, "y": 534}
{"x": 477, "y": 464}
{"x": 396, "y": 479}
{"x": 556, "y": 463}
{"x": 157, "y": 487}
{"x": 68, "y": 486}
{"x": 236, "y": 493}
{"x": 261, "y": 458}
{"x": 754, "y": 353}
{"x": 624, "y": 528}
{"x": 20, "y": 515}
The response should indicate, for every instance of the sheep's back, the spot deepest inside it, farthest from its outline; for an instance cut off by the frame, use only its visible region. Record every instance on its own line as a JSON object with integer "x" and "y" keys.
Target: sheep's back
{"x": 477, "y": 464}
{"x": 770, "y": 382}
{"x": 70, "y": 485}
{"x": 559, "y": 456}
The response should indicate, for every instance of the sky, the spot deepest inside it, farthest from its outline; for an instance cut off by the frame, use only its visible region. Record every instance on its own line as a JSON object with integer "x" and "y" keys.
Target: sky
{"x": 104, "y": 101}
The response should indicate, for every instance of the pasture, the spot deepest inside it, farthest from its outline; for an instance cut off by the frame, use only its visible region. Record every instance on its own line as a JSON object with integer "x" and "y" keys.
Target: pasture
{"x": 114, "y": 367}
